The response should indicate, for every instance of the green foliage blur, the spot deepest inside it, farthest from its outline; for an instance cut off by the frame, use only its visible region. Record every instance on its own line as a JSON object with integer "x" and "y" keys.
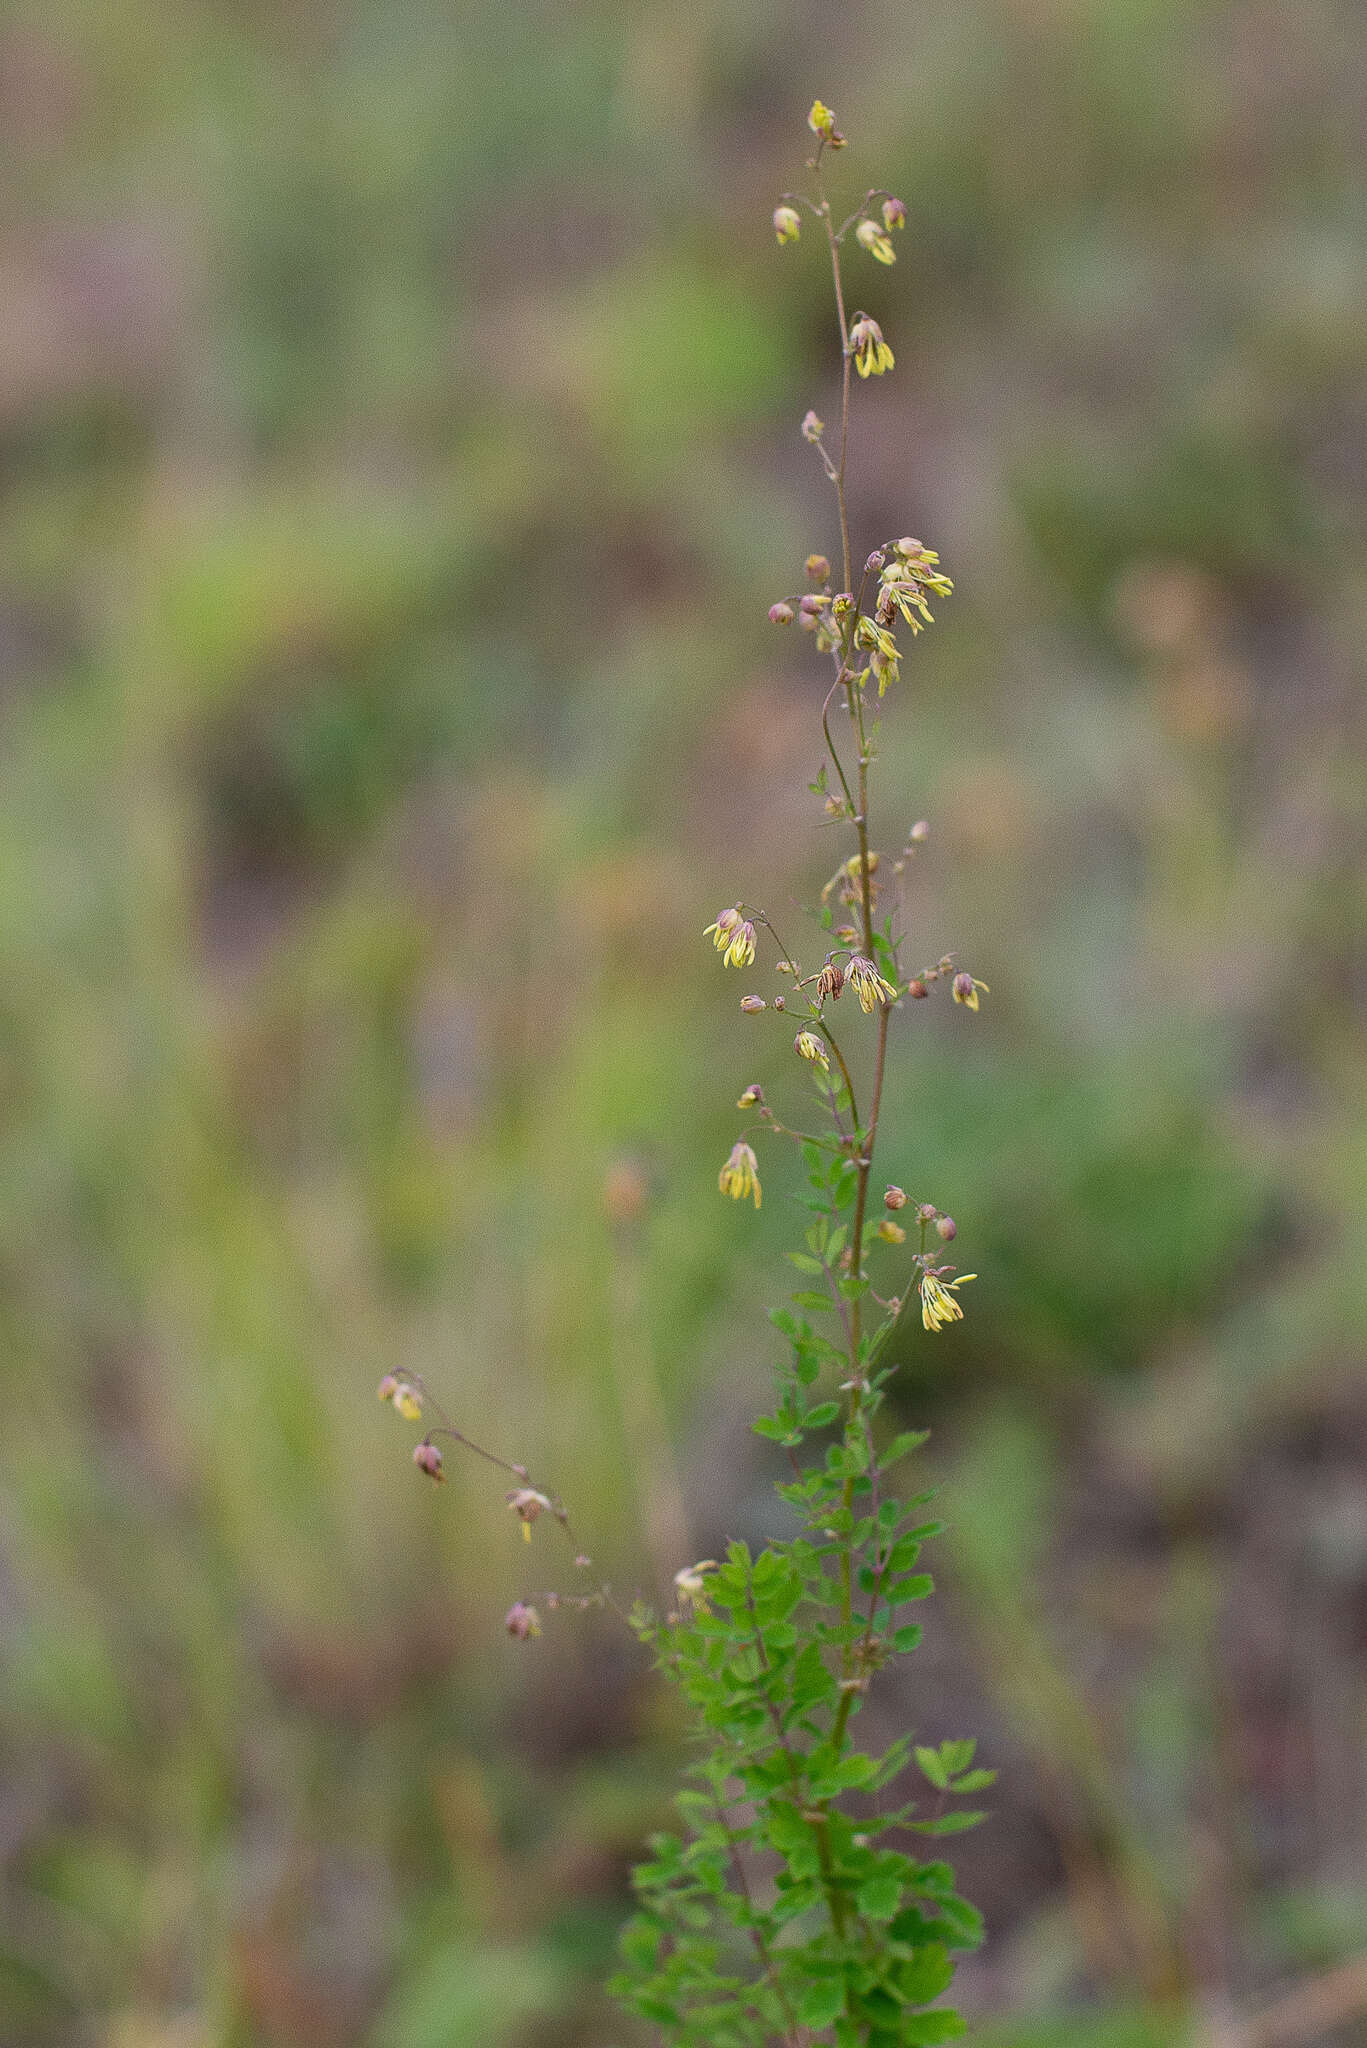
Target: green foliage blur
{"x": 398, "y": 408}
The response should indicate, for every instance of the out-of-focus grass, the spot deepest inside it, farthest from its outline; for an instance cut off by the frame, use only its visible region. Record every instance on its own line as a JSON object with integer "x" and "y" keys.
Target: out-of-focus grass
{"x": 399, "y": 432}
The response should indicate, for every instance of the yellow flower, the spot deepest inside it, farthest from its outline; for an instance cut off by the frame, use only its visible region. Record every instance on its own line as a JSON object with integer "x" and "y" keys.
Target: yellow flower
{"x": 966, "y": 990}
{"x": 890, "y": 1232}
{"x": 407, "y": 1400}
{"x": 871, "y": 353}
{"x": 734, "y": 937}
{"x": 740, "y": 1175}
{"x": 868, "y": 984}
{"x": 938, "y": 1306}
{"x": 820, "y": 120}
{"x": 787, "y": 223}
{"x": 809, "y": 1047}
{"x": 870, "y": 236}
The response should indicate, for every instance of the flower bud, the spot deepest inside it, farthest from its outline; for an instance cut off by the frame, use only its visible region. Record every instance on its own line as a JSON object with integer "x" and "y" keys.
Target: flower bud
{"x": 812, "y": 605}
{"x": 927, "y": 1212}
{"x": 821, "y": 120}
{"x": 780, "y": 614}
{"x": 894, "y": 1198}
{"x": 812, "y": 427}
{"x": 527, "y": 1503}
{"x": 919, "y": 833}
{"x": 817, "y": 569}
{"x": 787, "y": 223}
{"x": 874, "y": 562}
{"x": 522, "y": 1621}
{"x": 752, "y": 1005}
{"x": 748, "y": 1097}
{"x": 691, "y": 1584}
{"x": 894, "y": 214}
{"x": 946, "y": 1229}
{"x": 388, "y": 1387}
{"x": 890, "y": 1232}
{"x": 917, "y": 990}
{"x": 408, "y": 1401}
{"x": 779, "y": 1003}
{"x": 428, "y": 1459}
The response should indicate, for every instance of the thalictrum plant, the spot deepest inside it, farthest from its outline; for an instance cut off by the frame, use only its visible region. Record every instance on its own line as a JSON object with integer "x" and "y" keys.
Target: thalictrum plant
{"x": 797, "y": 1903}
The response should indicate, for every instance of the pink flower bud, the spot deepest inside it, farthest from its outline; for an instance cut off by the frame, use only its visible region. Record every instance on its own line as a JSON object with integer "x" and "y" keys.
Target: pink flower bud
{"x": 917, "y": 990}
{"x": 780, "y": 614}
{"x": 895, "y": 1198}
{"x": 920, "y": 832}
{"x": 947, "y": 1229}
{"x": 752, "y": 1005}
{"x": 522, "y": 1621}
{"x": 428, "y": 1459}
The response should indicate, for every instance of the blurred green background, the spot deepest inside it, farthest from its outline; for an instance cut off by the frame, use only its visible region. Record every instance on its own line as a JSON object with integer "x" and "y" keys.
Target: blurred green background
{"x": 398, "y": 411}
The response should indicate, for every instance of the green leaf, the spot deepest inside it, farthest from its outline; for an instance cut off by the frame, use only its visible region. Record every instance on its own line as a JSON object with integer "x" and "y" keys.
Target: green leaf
{"x": 957, "y": 1756}
{"x": 804, "y": 1263}
{"x": 846, "y": 1774}
{"x": 929, "y": 2029}
{"x": 905, "y": 1639}
{"x": 822, "y": 2002}
{"x": 928, "y": 1973}
{"x": 947, "y": 1823}
{"x": 929, "y": 1760}
{"x": 974, "y": 1781}
{"x": 964, "y": 1922}
{"x": 878, "y": 1898}
{"x": 818, "y": 1417}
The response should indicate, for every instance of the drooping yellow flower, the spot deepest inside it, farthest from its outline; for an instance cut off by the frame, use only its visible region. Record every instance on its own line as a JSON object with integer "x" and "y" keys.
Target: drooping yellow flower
{"x": 870, "y": 236}
{"x": 868, "y": 984}
{"x": 809, "y": 1047}
{"x": 966, "y": 990}
{"x": 407, "y": 1400}
{"x": 871, "y": 353}
{"x": 820, "y": 120}
{"x": 733, "y": 935}
{"x": 787, "y": 223}
{"x": 527, "y": 1504}
{"x": 938, "y": 1306}
{"x": 740, "y": 1175}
